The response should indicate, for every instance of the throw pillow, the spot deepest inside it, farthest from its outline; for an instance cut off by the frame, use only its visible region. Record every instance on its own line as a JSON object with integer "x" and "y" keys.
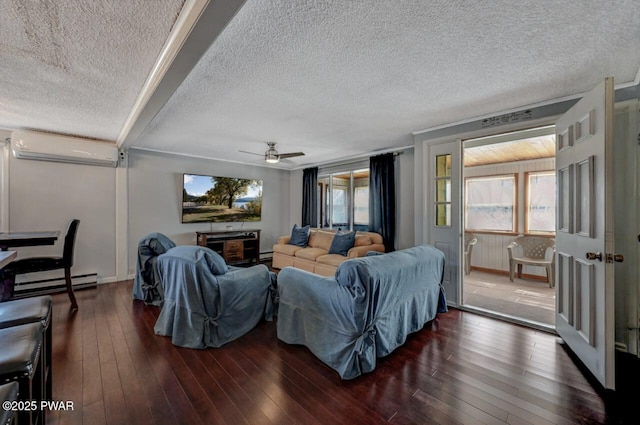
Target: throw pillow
{"x": 342, "y": 243}
{"x": 299, "y": 235}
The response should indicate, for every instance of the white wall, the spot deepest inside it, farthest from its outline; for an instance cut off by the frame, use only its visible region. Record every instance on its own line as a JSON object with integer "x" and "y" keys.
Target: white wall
{"x": 155, "y": 198}
{"x": 405, "y": 205}
{"x": 491, "y": 250}
{"x": 48, "y": 195}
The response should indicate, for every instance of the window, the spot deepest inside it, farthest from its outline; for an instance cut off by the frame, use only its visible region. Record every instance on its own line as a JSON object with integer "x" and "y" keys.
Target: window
{"x": 344, "y": 200}
{"x": 540, "y": 202}
{"x": 491, "y": 203}
{"x": 443, "y": 190}
{"x": 339, "y": 210}
{"x": 361, "y": 205}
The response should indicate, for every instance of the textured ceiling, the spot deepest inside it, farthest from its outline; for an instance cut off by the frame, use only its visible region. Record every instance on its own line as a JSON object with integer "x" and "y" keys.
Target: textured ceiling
{"x": 77, "y": 66}
{"x": 341, "y": 78}
{"x": 331, "y": 78}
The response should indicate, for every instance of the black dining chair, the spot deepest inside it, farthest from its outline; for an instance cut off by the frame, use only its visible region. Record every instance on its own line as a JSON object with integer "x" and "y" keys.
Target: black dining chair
{"x": 42, "y": 264}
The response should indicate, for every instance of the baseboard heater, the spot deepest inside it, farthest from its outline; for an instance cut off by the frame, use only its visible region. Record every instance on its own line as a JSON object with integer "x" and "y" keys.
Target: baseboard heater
{"x": 55, "y": 285}
{"x": 266, "y": 255}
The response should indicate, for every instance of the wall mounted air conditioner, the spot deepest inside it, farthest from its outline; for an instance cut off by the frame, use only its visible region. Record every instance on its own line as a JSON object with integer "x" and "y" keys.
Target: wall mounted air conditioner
{"x": 53, "y": 147}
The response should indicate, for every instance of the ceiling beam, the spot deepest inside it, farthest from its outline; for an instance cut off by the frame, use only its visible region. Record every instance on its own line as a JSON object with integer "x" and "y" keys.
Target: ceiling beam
{"x": 200, "y": 22}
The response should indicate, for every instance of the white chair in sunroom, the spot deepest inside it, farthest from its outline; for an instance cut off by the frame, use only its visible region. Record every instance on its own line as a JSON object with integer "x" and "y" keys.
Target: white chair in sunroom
{"x": 469, "y": 241}
{"x": 532, "y": 251}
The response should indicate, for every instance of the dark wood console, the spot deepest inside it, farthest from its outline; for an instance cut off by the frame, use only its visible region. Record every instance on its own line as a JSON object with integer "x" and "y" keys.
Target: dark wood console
{"x": 235, "y": 246}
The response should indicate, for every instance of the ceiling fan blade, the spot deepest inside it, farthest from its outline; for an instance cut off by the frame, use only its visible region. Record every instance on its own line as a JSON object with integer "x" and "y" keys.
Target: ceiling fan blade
{"x": 252, "y": 153}
{"x": 291, "y": 154}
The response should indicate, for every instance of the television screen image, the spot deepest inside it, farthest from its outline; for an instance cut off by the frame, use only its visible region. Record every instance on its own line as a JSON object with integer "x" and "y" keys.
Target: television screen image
{"x": 207, "y": 199}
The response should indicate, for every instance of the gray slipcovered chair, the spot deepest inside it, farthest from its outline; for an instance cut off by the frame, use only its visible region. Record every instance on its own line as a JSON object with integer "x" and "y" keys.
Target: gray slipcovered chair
{"x": 532, "y": 251}
{"x": 207, "y": 303}
{"x": 147, "y": 286}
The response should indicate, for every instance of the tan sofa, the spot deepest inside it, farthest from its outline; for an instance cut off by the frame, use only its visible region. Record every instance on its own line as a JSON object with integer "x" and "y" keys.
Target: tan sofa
{"x": 315, "y": 258}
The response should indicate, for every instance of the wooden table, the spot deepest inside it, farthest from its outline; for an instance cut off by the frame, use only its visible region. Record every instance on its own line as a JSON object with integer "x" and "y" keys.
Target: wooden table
{"x": 18, "y": 239}
{"x": 235, "y": 246}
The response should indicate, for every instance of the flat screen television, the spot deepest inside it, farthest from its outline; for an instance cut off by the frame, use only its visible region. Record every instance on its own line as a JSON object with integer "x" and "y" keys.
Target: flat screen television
{"x": 207, "y": 199}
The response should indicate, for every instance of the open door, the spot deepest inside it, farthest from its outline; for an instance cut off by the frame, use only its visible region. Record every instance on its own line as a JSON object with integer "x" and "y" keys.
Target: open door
{"x": 444, "y": 226}
{"x": 585, "y": 233}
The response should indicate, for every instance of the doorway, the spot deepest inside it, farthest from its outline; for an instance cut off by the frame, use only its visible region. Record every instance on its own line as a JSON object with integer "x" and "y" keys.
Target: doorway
{"x": 508, "y": 197}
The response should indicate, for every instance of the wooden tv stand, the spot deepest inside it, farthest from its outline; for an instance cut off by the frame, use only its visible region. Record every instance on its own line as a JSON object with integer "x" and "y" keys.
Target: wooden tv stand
{"x": 235, "y": 246}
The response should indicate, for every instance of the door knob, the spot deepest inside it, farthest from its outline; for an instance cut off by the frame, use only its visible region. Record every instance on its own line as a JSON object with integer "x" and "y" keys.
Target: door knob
{"x": 618, "y": 258}
{"x": 594, "y": 256}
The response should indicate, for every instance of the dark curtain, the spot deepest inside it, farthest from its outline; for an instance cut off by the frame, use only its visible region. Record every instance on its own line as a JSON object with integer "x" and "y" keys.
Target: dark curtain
{"x": 382, "y": 198}
{"x": 310, "y": 197}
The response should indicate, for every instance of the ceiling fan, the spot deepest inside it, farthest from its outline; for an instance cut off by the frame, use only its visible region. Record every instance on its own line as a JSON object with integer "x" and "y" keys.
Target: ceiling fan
{"x": 272, "y": 156}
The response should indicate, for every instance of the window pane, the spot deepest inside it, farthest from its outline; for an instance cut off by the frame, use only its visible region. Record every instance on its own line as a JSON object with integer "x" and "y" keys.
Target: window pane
{"x": 339, "y": 214}
{"x": 443, "y": 165}
{"x": 345, "y": 205}
{"x": 541, "y": 202}
{"x": 490, "y": 203}
{"x": 443, "y": 190}
{"x": 443, "y": 214}
{"x": 361, "y": 205}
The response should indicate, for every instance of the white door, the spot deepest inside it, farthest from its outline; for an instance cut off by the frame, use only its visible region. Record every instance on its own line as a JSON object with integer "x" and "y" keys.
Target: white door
{"x": 444, "y": 205}
{"x": 584, "y": 236}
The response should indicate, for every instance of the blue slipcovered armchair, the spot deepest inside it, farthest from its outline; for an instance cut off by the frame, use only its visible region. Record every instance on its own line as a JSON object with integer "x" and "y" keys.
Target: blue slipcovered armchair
{"x": 208, "y": 303}
{"x": 146, "y": 285}
{"x": 366, "y": 311}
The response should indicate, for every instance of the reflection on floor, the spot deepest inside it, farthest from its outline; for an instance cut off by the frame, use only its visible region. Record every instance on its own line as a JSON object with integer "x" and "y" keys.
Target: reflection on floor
{"x": 525, "y": 298}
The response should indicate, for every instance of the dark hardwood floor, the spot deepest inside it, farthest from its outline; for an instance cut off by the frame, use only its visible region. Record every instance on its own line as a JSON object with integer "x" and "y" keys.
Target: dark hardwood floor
{"x": 460, "y": 369}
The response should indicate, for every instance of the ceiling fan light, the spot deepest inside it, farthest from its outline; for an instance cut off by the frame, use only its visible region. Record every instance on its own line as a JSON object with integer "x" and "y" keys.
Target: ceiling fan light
{"x": 271, "y": 157}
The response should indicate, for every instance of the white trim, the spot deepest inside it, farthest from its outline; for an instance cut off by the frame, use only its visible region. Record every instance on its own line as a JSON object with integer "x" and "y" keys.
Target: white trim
{"x": 183, "y": 26}
{"x": 337, "y": 162}
{"x": 109, "y": 279}
{"x": 209, "y": 158}
{"x": 508, "y": 318}
{"x": 4, "y": 185}
{"x": 276, "y": 166}
{"x": 490, "y": 131}
{"x": 122, "y": 217}
{"x": 510, "y": 136}
{"x": 635, "y": 82}
{"x": 507, "y": 111}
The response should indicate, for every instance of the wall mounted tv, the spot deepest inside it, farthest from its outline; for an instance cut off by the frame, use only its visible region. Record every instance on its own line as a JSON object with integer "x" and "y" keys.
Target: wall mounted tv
{"x": 207, "y": 199}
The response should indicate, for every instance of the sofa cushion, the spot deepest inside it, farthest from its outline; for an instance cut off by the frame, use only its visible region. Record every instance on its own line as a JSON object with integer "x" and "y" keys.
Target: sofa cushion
{"x": 342, "y": 243}
{"x": 321, "y": 239}
{"x": 375, "y": 237}
{"x": 309, "y": 253}
{"x": 286, "y": 248}
{"x": 331, "y": 259}
{"x": 299, "y": 235}
{"x": 362, "y": 240}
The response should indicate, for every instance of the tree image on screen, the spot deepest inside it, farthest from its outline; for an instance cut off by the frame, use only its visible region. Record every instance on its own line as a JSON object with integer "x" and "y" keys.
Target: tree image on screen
{"x": 220, "y": 199}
